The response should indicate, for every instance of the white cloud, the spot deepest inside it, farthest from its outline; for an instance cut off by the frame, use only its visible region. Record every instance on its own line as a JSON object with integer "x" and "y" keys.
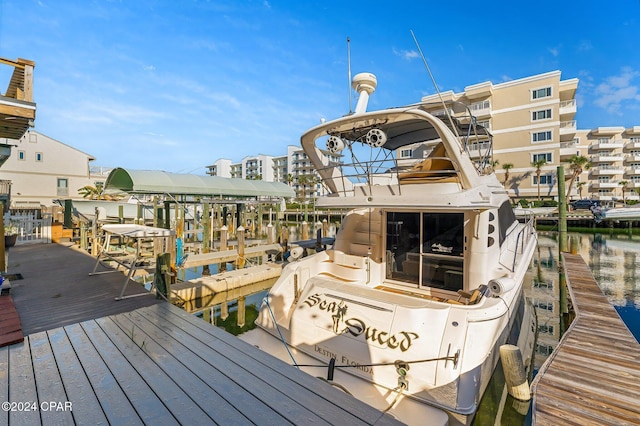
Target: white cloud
{"x": 617, "y": 89}
{"x": 554, "y": 51}
{"x": 406, "y": 54}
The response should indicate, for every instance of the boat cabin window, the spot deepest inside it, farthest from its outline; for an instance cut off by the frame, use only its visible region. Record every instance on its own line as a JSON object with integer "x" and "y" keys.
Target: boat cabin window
{"x": 426, "y": 248}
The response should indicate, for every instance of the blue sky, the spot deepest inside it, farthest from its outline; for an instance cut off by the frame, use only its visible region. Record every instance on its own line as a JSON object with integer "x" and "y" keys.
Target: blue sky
{"x": 174, "y": 84}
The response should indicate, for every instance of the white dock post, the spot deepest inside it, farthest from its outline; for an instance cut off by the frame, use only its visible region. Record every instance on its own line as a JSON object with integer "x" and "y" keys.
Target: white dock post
{"x": 514, "y": 373}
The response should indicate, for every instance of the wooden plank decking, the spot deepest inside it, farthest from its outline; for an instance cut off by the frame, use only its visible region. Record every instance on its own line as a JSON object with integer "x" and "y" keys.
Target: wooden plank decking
{"x": 10, "y": 327}
{"x": 56, "y": 289}
{"x": 593, "y": 376}
{"x": 159, "y": 365}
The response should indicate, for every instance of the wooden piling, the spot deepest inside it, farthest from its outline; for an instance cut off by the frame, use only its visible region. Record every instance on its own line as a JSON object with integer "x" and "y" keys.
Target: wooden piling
{"x": 514, "y": 372}
{"x": 241, "y": 259}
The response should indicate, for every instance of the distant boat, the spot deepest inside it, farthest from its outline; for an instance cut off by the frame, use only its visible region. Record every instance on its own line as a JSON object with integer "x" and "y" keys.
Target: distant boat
{"x": 619, "y": 213}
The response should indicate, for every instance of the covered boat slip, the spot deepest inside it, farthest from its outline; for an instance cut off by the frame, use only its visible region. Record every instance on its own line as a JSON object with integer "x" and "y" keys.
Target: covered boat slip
{"x": 160, "y": 365}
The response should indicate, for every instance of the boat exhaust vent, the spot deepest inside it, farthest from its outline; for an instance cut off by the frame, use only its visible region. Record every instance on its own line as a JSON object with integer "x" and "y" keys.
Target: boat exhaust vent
{"x": 365, "y": 84}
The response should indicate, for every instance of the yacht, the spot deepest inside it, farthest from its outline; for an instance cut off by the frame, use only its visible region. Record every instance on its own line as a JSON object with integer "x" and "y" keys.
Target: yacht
{"x": 408, "y": 309}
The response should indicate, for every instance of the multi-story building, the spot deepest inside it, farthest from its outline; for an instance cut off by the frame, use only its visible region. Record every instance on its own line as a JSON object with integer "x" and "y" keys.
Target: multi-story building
{"x": 529, "y": 119}
{"x": 533, "y": 119}
{"x": 41, "y": 169}
{"x": 614, "y": 154}
{"x": 294, "y": 169}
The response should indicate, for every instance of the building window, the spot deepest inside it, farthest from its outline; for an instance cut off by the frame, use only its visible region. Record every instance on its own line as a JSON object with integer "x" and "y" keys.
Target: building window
{"x": 21, "y": 155}
{"x": 545, "y": 92}
{"x": 545, "y": 328}
{"x": 406, "y": 153}
{"x": 544, "y": 156}
{"x": 63, "y": 187}
{"x": 543, "y": 114}
{"x": 544, "y": 179}
{"x": 38, "y": 156}
{"x": 541, "y": 136}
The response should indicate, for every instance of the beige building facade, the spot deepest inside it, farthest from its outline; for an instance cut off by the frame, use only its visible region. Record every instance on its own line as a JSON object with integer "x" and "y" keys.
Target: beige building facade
{"x": 533, "y": 119}
{"x": 42, "y": 169}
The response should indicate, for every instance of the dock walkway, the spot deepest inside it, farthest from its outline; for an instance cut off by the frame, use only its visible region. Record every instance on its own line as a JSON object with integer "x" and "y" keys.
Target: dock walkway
{"x": 593, "y": 376}
{"x": 161, "y": 366}
{"x": 156, "y": 365}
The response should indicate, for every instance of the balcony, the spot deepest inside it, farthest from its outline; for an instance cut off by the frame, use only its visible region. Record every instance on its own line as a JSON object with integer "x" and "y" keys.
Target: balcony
{"x": 568, "y": 149}
{"x": 606, "y": 158}
{"x": 632, "y": 145}
{"x": 568, "y": 107}
{"x": 607, "y": 145}
{"x": 17, "y": 108}
{"x": 632, "y": 185}
{"x": 632, "y": 171}
{"x": 632, "y": 158}
{"x": 607, "y": 171}
{"x": 567, "y": 127}
{"x": 603, "y": 196}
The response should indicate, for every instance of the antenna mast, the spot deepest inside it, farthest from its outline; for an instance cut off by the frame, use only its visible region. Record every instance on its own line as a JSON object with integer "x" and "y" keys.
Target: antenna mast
{"x": 349, "y": 71}
{"x": 446, "y": 111}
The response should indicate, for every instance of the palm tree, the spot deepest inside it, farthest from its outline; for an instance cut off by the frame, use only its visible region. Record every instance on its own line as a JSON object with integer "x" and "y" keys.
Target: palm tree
{"x": 579, "y": 185}
{"x": 289, "y": 179}
{"x": 538, "y": 165}
{"x": 97, "y": 193}
{"x": 623, "y": 184}
{"x": 506, "y": 167}
{"x": 577, "y": 164}
{"x": 303, "y": 180}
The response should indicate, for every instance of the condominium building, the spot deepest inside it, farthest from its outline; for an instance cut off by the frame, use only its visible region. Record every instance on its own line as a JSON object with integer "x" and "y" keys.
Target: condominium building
{"x": 532, "y": 120}
{"x": 293, "y": 168}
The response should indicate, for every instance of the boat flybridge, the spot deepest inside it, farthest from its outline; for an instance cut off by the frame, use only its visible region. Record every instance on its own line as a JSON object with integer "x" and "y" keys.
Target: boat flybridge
{"x": 408, "y": 309}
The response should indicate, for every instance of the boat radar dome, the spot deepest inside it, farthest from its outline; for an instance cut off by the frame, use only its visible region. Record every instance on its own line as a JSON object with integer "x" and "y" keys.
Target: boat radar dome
{"x": 365, "y": 84}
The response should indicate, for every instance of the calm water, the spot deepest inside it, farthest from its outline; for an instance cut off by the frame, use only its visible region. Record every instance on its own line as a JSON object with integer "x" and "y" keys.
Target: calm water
{"x": 614, "y": 261}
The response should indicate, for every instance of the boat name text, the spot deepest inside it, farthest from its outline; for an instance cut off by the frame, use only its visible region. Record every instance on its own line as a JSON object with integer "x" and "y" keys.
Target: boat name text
{"x": 358, "y": 327}
{"x": 343, "y": 359}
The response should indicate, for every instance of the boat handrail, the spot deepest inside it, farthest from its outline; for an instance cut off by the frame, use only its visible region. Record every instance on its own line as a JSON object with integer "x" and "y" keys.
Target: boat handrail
{"x": 388, "y": 172}
{"x": 522, "y": 239}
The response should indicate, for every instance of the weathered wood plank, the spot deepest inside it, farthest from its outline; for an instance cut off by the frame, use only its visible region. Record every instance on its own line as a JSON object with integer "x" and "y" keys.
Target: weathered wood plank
{"x": 136, "y": 346}
{"x": 48, "y": 382}
{"x": 209, "y": 388}
{"x": 4, "y": 383}
{"x": 22, "y": 388}
{"x": 86, "y": 407}
{"x": 274, "y": 401}
{"x": 310, "y": 392}
{"x": 593, "y": 376}
{"x": 146, "y": 403}
{"x": 114, "y": 403}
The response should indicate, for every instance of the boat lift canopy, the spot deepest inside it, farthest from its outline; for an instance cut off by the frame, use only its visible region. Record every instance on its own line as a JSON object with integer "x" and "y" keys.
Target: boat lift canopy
{"x": 160, "y": 182}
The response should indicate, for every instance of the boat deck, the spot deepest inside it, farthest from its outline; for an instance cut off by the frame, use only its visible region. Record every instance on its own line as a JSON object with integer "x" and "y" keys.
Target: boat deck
{"x": 593, "y": 376}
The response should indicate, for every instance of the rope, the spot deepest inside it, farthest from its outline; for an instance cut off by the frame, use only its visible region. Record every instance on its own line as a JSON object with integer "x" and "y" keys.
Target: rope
{"x": 284, "y": 342}
{"x": 453, "y": 358}
{"x": 399, "y": 389}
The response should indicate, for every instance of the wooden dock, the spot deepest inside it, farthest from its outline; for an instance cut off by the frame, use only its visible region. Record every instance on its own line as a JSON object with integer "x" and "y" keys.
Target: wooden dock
{"x": 56, "y": 289}
{"x": 208, "y": 289}
{"x": 162, "y": 366}
{"x": 89, "y": 359}
{"x": 593, "y": 376}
